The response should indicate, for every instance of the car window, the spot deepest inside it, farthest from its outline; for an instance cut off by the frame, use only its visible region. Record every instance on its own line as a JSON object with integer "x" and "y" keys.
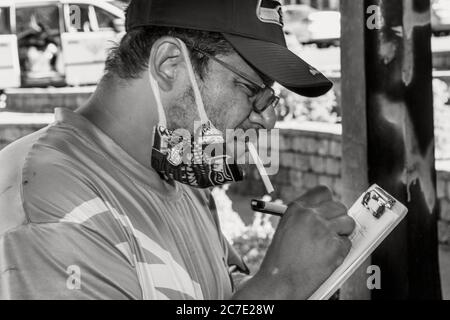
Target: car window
{"x": 79, "y": 18}
{"x": 37, "y": 19}
{"x": 104, "y": 19}
{"x": 5, "y": 25}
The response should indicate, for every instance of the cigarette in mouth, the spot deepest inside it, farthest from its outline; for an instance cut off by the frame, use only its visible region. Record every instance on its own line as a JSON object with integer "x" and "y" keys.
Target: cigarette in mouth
{"x": 262, "y": 171}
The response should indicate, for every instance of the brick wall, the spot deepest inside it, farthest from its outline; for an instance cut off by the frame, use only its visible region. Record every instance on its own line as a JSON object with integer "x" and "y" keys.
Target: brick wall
{"x": 16, "y": 125}
{"x": 41, "y": 100}
{"x": 10, "y": 133}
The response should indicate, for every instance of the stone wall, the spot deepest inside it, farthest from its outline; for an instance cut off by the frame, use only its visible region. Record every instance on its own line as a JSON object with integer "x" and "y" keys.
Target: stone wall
{"x": 16, "y": 125}
{"x": 41, "y": 100}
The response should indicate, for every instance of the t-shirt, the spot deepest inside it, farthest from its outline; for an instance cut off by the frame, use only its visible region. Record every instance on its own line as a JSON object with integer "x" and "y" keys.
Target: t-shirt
{"x": 81, "y": 219}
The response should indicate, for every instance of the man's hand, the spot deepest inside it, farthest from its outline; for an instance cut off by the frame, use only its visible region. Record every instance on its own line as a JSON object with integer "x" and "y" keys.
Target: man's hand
{"x": 311, "y": 241}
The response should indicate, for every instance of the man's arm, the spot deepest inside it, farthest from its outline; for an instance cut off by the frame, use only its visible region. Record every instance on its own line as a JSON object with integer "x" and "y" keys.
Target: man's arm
{"x": 52, "y": 244}
{"x": 63, "y": 261}
{"x": 311, "y": 241}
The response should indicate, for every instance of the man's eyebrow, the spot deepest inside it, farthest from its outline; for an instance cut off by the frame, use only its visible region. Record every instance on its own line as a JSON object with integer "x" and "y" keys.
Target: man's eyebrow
{"x": 249, "y": 84}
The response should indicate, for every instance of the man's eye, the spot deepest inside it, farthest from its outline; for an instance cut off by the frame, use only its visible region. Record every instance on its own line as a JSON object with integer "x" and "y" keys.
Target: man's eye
{"x": 251, "y": 92}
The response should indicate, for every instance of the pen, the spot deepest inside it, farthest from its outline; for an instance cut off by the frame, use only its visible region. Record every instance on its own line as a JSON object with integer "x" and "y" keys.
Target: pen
{"x": 272, "y": 208}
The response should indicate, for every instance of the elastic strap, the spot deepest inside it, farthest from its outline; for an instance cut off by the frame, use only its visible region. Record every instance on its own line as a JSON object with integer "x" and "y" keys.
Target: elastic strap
{"x": 156, "y": 92}
{"x": 198, "y": 98}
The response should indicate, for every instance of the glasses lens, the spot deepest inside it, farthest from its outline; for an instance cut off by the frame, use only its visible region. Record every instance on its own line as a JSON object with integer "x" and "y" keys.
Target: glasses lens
{"x": 266, "y": 99}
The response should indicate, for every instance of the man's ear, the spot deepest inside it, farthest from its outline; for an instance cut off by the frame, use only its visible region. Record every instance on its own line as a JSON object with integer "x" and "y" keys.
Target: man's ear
{"x": 165, "y": 61}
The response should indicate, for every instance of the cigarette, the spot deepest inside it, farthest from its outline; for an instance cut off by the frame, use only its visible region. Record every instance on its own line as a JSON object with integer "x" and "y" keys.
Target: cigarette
{"x": 272, "y": 208}
{"x": 262, "y": 171}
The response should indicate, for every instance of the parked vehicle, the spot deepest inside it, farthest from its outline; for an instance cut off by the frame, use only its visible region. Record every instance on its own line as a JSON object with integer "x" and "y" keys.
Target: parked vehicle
{"x": 312, "y": 26}
{"x": 57, "y": 42}
{"x": 440, "y": 18}
{"x": 324, "y": 28}
{"x": 296, "y": 20}
{"x": 9, "y": 62}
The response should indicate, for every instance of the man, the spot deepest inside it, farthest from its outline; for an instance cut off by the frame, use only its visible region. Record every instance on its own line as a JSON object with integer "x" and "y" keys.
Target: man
{"x": 99, "y": 206}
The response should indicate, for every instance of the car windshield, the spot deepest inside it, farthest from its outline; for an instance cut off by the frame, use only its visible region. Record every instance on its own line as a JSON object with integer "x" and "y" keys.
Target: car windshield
{"x": 42, "y": 18}
{"x": 5, "y": 25}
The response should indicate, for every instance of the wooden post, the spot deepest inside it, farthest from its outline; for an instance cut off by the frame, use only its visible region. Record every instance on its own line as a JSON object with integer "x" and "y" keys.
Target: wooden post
{"x": 400, "y": 139}
{"x": 354, "y": 127}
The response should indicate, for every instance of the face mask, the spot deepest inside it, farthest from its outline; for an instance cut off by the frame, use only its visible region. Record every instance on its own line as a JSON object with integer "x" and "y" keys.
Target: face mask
{"x": 198, "y": 160}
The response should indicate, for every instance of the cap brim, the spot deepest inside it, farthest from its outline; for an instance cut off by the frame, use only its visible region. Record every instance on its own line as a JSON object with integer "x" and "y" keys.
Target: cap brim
{"x": 281, "y": 65}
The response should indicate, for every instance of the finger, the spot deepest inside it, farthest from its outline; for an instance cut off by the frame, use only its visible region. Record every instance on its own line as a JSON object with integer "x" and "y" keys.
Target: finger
{"x": 343, "y": 225}
{"x": 345, "y": 246}
{"x": 342, "y": 246}
{"x": 331, "y": 210}
{"x": 315, "y": 197}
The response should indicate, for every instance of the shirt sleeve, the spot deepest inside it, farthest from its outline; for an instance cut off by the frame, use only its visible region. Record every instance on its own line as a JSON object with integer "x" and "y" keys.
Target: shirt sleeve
{"x": 63, "y": 261}
{"x": 68, "y": 246}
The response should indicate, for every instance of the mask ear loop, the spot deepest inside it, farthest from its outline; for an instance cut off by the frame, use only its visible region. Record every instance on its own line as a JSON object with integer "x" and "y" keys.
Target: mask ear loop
{"x": 198, "y": 98}
{"x": 156, "y": 92}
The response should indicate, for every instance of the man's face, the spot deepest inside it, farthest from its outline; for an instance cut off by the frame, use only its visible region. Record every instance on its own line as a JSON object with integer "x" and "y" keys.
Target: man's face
{"x": 227, "y": 97}
{"x": 228, "y": 100}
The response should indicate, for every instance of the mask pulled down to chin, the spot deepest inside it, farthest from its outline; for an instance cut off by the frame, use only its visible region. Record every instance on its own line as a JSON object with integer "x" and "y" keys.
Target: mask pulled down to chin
{"x": 200, "y": 160}
{"x": 197, "y": 162}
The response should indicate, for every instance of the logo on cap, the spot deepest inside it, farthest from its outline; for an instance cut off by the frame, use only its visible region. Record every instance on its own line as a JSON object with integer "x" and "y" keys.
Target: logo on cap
{"x": 270, "y": 11}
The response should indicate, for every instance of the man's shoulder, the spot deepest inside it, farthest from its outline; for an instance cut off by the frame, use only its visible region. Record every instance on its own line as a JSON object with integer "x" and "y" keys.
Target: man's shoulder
{"x": 12, "y": 160}
{"x": 39, "y": 182}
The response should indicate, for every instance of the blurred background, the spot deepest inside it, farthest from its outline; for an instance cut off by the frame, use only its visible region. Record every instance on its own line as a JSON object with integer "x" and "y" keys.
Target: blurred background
{"x": 52, "y": 53}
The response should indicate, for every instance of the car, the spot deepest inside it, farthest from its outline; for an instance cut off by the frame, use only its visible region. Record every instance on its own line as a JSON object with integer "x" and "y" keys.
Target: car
{"x": 291, "y": 41}
{"x": 324, "y": 28}
{"x": 296, "y": 20}
{"x": 312, "y": 26}
{"x": 440, "y": 18}
{"x": 56, "y": 42}
{"x": 9, "y": 64}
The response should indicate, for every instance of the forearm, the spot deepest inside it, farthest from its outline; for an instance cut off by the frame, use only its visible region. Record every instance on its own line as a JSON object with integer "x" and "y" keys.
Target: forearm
{"x": 259, "y": 287}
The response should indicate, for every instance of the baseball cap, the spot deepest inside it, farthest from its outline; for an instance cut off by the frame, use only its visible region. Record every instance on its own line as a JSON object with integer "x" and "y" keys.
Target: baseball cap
{"x": 253, "y": 27}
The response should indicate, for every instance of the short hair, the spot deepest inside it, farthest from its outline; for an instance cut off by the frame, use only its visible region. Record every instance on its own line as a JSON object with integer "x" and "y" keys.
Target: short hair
{"x": 129, "y": 59}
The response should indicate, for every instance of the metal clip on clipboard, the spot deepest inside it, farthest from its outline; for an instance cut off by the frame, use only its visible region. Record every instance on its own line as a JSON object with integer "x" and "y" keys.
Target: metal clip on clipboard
{"x": 377, "y": 201}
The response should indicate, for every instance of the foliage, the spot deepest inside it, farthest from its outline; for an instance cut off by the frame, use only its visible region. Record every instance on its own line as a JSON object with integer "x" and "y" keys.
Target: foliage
{"x": 321, "y": 109}
{"x": 442, "y": 119}
{"x": 250, "y": 241}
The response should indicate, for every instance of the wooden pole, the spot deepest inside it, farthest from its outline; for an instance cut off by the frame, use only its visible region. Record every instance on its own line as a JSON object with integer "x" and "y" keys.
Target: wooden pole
{"x": 354, "y": 127}
{"x": 400, "y": 141}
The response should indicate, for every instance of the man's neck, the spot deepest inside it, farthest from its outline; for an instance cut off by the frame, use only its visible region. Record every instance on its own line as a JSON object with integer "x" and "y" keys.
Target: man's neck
{"x": 126, "y": 115}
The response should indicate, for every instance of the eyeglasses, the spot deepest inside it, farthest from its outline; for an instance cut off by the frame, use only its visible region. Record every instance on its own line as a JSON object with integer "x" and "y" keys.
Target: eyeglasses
{"x": 265, "y": 96}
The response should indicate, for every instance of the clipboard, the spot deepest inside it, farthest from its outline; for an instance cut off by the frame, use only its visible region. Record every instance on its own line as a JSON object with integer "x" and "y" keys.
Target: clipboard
{"x": 376, "y": 214}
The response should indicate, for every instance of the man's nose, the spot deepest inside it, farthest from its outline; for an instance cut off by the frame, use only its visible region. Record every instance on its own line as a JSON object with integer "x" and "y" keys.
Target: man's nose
{"x": 266, "y": 119}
